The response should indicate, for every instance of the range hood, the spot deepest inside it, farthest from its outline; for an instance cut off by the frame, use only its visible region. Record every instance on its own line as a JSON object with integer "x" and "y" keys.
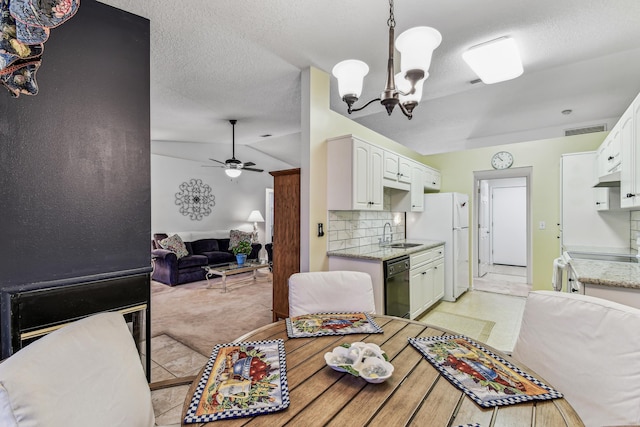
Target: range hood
{"x": 610, "y": 180}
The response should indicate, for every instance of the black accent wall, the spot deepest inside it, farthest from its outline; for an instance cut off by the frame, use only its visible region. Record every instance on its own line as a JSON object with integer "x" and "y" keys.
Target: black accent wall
{"x": 75, "y": 180}
{"x": 75, "y": 159}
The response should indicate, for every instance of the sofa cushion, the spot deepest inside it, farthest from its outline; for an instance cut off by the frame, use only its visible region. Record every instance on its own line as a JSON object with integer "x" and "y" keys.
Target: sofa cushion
{"x": 204, "y": 245}
{"x": 218, "y": 257}
{"x": 175, "y": 244}
{"x": 192, "y": 261}
{"x": 236, "y": 236}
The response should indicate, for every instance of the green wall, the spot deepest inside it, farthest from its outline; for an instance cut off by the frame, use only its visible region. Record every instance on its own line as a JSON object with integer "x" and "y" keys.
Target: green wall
{"x": 543, "y": 157}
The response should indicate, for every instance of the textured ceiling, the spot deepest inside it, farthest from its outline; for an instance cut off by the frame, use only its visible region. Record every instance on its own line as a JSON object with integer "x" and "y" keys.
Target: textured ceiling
{"x": 216, "y": 60}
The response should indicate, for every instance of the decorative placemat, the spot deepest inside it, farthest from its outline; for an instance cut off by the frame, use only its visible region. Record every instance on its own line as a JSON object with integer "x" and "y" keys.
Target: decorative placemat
{"x": 319, "y": 324}
{"x": 485, "y": 377}
{"x": 241, "y": 380}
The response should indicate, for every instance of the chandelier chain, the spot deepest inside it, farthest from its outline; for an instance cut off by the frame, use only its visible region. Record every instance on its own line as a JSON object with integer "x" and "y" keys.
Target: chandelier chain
{"x": 391, "y": 22}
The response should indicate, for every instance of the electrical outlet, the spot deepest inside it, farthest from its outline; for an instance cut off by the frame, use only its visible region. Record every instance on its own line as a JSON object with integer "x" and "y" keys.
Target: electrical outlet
{"x": 543, "y": 225}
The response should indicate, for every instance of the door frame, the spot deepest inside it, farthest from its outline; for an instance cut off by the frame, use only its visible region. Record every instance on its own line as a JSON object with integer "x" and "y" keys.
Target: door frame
{"x": 524, "y": 172}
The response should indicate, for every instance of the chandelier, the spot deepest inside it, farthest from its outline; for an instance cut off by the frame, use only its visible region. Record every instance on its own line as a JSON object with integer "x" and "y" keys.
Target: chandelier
{"x": 416, "y": 45}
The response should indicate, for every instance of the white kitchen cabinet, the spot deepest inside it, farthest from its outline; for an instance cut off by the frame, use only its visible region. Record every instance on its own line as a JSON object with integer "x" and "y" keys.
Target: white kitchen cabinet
{"x": 609, "y": 154}
{"x": 396, "y": 170}
{"x": 606, "y": 198}
{"x": 391, "y": 164}
{"x": 418, "y": 172}
{"x": 628, "y": 173}
{"x": 426, "y": 280}
{"x": 432, "y": 179}
{"x": 354, "y": 174}
{"x": 619, "y": 294}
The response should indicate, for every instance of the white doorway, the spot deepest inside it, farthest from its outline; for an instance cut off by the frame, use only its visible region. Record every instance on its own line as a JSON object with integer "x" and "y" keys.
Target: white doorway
{"x": 268, "y": 220}
{"x": 502, "y": 250}
{"x": 509, "y": 224}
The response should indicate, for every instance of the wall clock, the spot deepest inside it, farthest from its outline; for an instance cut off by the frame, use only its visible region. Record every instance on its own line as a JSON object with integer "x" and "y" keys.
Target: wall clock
{"x": 502, "y": 160}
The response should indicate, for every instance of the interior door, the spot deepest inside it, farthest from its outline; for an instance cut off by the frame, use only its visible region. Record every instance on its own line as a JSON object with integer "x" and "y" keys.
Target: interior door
{"x": 484, "y": 241}
{"x": 509, "y": 224}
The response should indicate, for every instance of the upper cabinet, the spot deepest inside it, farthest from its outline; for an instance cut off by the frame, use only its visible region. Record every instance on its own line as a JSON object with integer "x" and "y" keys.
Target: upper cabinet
{"x": 397, "y": 170}
{"x": 354, "y": 175}
{"x": 630, "y": 141}
{"x": 432, "y": 179}
{"x": 357, "y": 171}
{"x": 619, "y": 155}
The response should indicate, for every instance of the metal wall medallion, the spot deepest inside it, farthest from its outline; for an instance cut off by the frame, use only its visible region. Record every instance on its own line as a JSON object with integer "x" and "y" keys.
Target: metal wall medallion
{"x": 195, "y": 199}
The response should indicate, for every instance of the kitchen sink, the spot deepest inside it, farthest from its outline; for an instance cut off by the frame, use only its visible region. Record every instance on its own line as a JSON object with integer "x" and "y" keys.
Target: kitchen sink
{"x": 403, "y": 245}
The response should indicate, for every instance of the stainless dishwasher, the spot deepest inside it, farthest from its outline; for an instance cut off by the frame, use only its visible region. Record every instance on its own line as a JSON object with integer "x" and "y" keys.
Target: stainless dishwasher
{"x": 396, "y": 286}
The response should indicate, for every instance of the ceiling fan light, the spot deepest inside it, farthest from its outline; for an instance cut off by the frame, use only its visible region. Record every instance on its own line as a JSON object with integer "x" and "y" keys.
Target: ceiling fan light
{"x": 495, "y": 61}
{"x": 404, "y": 86}
{"x": 350, "y": 74}
{"x": 416, "y": 46}
{"x": 233, "y": 173}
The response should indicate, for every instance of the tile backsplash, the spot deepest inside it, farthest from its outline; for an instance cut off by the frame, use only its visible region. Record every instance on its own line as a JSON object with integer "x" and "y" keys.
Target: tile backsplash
{"x": 635, "y": 229}
{"x": 351, "y": 229}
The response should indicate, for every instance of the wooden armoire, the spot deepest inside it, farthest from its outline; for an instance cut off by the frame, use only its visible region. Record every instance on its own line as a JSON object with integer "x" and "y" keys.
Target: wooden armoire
{"x": 286, "y": 236}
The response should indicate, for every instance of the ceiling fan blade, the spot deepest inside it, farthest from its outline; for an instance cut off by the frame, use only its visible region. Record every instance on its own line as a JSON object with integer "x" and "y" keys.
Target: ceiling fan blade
{"x": 212, "y": 166}
{"x": 253, "y": 170}
{"x": 218, "y": 161}
{"x": 249, "y": 164}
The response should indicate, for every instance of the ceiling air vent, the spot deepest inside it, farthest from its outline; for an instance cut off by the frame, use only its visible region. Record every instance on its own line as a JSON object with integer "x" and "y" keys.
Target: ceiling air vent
{"x": 587, "y": 129}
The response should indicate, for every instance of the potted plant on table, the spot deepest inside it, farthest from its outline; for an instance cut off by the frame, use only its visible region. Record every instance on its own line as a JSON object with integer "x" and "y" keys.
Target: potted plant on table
{"x": 241, "y": 251}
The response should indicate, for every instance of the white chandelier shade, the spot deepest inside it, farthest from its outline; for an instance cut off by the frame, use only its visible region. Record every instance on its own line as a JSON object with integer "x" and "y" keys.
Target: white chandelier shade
{"x": 416, "y": 46}
{"x": 350, "y": 74}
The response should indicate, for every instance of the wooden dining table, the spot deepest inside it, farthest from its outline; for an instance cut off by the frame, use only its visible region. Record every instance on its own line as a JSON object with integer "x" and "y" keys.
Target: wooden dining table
{"x": 416, "y": 394}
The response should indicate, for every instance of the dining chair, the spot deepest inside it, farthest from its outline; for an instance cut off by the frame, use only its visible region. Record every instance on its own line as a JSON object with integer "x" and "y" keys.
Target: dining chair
{"x": 330, "y": 292}
{"x": 85, "y": 373}
{"x": 588, "y": 349}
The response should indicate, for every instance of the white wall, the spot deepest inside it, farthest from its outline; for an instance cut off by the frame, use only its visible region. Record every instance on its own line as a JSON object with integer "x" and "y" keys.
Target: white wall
{"x": 173, "y": 163}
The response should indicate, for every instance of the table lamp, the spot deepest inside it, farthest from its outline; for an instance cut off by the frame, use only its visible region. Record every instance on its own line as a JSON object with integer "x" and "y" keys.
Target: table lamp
{"x": 255, "y": 217}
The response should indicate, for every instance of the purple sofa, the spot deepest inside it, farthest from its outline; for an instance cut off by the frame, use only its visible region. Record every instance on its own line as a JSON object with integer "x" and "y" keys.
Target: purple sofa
{"x": 170, "y": 270}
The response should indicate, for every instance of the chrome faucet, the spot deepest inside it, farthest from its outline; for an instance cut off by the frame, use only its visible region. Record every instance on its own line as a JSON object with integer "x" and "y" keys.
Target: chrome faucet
{"x": 384, "y": 241}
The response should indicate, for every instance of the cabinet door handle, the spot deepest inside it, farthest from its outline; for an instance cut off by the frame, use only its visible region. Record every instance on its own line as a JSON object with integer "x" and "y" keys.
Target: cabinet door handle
{"x": 424, "y": 272}
{"x": 629, "y": 195}
{"x": 610, "y": 158}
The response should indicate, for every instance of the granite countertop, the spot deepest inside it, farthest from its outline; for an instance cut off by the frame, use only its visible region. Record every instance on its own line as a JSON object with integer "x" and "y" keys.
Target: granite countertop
{"x": 383, "y": 253}
{"x": 607, "y": 273}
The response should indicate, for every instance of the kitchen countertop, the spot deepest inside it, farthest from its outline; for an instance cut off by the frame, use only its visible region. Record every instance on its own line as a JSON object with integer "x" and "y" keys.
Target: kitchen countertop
{"x": 384, "y": 253}
{"x": 607, "y": 273}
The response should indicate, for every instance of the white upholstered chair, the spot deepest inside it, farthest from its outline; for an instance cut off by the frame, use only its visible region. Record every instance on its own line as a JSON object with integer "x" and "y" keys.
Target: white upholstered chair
{"x": 330, "y": 292}
{"x": 589, "y": 350}
{"x": 87, "y": 373}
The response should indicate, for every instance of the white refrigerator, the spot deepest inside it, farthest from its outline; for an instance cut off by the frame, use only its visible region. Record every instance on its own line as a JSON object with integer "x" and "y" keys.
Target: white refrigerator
{"x": 446, "y": 218}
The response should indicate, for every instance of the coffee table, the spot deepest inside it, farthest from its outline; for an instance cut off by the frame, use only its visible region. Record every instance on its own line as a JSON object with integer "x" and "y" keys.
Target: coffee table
{"x": 230, "y": 269}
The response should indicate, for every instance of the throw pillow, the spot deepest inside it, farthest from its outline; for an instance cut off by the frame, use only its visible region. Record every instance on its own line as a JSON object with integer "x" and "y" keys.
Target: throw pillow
{"x": 236, "y": 236}
{"x": 175, "y": 244}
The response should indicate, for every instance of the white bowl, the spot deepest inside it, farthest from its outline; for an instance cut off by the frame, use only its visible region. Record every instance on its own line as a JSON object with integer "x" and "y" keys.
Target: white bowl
{"x": 361, "y": 359}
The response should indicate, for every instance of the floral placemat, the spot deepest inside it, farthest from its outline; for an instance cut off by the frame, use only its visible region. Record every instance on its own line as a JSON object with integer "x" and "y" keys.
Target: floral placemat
{"x": 319, "y": 324}
{"x": 485, "y": 377}
{"x": 241, "y": 380}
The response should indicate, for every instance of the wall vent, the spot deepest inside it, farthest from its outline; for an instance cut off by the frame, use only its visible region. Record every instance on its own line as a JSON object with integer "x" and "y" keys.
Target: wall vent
{"x": 587, "y": 129}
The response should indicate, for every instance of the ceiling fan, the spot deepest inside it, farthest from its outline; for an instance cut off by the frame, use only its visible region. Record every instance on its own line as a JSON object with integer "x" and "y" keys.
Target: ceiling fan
{"x": 234, "y": 167}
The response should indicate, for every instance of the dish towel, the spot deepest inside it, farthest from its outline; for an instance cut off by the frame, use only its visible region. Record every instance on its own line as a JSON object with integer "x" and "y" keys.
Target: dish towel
{"x": 558, "y": 267}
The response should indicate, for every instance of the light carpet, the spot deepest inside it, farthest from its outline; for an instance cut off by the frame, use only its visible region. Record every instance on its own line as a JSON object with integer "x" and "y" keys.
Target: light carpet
{"x": 478, "y": 329}
{"x": 201, "y": 317}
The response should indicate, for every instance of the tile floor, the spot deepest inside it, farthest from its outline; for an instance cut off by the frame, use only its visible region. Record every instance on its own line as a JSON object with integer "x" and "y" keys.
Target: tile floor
{"x": 171, "y": 359}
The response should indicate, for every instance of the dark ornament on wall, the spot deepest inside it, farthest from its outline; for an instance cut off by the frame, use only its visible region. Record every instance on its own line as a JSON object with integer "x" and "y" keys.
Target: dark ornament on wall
{"x": 195, "y": 199}
{"x": 24, "y": 27}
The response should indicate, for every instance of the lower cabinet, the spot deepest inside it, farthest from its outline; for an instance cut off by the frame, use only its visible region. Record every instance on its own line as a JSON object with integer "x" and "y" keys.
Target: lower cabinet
{"x": 426, "y": 280}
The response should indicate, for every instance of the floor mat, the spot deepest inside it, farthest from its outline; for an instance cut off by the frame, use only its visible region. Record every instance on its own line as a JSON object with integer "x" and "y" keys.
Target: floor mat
{"x": 478, "y": 329}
